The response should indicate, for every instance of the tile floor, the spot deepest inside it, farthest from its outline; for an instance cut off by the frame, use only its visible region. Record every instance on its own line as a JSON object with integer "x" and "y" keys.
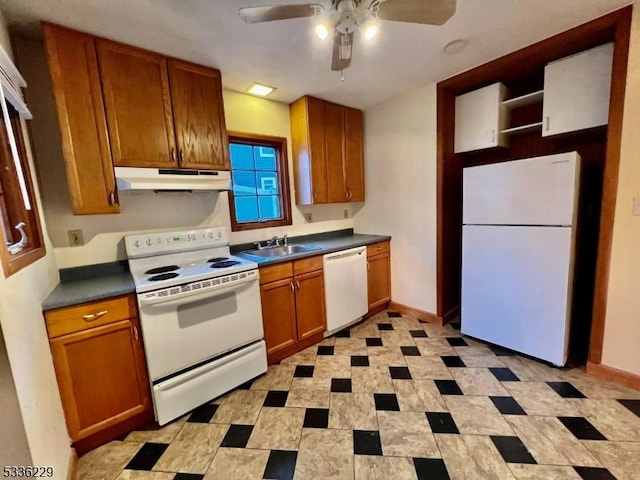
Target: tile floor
{"x": 394, "y": 397}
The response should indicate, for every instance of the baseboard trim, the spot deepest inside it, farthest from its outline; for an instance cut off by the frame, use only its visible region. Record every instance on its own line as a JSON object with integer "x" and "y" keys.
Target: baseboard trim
{"x": 605, "y": 372}
{"x": 72, "y": 472}
{"x": 415, "y": 312}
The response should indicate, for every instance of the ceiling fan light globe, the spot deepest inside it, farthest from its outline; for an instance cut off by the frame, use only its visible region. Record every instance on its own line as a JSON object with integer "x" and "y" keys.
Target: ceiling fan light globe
{"x": 370, "y": 31}
{"x": 322, "y": 32}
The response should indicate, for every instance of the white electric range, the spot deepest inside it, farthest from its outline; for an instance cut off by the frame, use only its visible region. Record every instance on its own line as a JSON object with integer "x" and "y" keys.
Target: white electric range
{"x": 200, "y": 315}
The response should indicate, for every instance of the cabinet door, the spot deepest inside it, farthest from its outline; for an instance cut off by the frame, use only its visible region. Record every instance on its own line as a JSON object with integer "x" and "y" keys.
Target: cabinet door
{"x": 196, "y": 95}
{"x": 278, "y": 315}
{"x": 83, "y": 129}
{"x": 102, "y": 376}
{"x": 354, "y": 154}
{"x": 317, "y": 149}
{"x": 310, "y": 310}
{"x": 479, "y": 119}
{"x": 379, "y": 280}
{"x": 138, "y": 105}
{"x": 576, "y": 91}
{"x": 334, "y": 150}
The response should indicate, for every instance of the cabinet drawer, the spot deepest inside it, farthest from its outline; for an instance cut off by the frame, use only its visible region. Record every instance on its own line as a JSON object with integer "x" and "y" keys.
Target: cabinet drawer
{"x": 305, "y": 265}
{"x": 377, "y": 249}
{"x": 87, "y": 315}
{"x": 271, "y": 273}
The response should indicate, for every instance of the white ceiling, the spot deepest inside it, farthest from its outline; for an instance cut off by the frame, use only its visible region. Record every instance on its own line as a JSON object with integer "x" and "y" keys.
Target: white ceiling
{"x": 287, "y": 55}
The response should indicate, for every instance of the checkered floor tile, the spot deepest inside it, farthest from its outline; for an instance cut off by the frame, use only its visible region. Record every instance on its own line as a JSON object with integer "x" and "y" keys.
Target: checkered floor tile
{"x": 394, "y": 397}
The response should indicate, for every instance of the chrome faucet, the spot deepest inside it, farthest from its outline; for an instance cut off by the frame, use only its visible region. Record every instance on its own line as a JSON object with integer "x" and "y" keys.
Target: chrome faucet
{"x": 273, "y": 242}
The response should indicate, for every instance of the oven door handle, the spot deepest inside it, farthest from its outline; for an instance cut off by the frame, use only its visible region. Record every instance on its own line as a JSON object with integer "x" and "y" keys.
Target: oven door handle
{"x": 206, "y": 293}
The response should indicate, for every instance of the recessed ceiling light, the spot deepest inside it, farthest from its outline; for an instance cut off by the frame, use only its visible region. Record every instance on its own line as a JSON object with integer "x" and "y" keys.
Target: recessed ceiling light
{"x": 260, "y": 89}
{"x": 455, "y": 47}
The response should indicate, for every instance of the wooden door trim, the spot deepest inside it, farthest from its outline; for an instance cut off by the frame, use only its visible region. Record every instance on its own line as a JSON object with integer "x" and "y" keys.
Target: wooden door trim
{"x": 614, "y": 27}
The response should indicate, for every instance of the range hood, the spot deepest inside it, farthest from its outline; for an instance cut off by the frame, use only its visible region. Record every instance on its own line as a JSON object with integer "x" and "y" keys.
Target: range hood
{"x": 132, "y": 178}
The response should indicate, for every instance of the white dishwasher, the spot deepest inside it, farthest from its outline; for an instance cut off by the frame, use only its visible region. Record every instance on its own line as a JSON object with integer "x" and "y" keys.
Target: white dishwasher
{"x": 345, "y": 286}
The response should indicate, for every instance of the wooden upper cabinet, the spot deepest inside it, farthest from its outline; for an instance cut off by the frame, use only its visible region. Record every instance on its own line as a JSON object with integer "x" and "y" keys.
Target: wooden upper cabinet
{"x": 327, "y": 141}
{"x": 334, "y": 140}
{"x": 135, "y": 86}
{"x": 75, "y": 80}
{"x": 196, "y": 94}
{"x": 354, "y": 154}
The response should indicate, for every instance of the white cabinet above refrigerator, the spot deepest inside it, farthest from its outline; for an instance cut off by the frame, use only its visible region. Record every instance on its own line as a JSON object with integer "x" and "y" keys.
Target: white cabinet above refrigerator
{"x": 577, "y": 90}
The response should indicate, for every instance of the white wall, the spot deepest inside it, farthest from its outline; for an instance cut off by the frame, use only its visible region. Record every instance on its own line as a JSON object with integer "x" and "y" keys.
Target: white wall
{"x": 400, "y": 172}
{"x": 145, "y": 211}
{"x": 27, "y": 347}
{"x": 621, "y": 347}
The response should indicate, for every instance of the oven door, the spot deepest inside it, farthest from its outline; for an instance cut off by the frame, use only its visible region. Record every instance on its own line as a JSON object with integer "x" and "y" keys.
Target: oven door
{"x": 181, "y": 332}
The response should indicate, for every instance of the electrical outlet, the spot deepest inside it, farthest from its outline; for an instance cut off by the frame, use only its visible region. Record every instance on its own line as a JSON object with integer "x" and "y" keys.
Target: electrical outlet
{"x": 345, "y": 213}
{"x": 307, "y": 217}
{"x": 76, "y": 238}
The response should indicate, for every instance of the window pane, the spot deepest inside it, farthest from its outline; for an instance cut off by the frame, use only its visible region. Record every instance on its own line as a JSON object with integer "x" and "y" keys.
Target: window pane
{"x": 241, "y": 156}
{"x": 265, "y": 158}
{"x": 269, "y": 207}
{"x": 247, "y": 209}
{"x": 244, "y": 182}
{"x": 267, "y": 183}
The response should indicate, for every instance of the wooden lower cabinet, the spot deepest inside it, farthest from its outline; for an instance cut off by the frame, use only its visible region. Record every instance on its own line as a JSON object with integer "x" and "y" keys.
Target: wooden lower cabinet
{"x": 310, "y": 310}
{"x": 379, "y": 274}
{"x": 293, "y": 310}
{"x": 101, "y": 370}
{"x": 279, "y": 315}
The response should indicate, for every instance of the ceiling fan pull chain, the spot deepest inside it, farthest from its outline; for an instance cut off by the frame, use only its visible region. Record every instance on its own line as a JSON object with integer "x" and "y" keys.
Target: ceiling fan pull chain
{"x": 342, "y": 75}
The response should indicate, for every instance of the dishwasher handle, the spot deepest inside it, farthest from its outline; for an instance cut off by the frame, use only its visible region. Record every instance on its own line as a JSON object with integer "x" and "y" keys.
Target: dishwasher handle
{"x": 345, "y": 254}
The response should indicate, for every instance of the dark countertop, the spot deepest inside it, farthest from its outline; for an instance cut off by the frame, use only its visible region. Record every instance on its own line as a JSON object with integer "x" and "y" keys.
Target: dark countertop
{"x": 95, "y": 282}
{"x": 328, "y": 242}
{"x": 88, "y": 283}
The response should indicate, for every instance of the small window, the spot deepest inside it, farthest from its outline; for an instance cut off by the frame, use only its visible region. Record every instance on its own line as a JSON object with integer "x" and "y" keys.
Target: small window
{"x": 260, "y": 194}
{"x": 20, "y": 231}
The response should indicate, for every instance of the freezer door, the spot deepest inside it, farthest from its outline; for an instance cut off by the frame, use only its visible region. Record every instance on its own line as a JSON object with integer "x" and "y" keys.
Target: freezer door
{"x": 516, "y": 288}
{"x": 534, "y": 191}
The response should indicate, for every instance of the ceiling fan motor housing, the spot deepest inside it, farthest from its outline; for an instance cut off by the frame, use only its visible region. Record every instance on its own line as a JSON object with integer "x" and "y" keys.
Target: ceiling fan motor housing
{"x": 347, "y": 22}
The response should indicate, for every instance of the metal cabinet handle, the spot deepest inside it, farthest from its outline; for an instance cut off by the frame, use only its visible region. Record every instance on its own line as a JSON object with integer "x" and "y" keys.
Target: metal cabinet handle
{"x": 297, "y": 284}
{"x": 180, "y": 157}
{"x": 547, "y": 123}
{"x": 94, "y": 316}
{"x": 112, "y": 198}
{"x": 135, "y": 333}
{"x": 174, "y": 155}
{"x": 368, "y": 266}
{"x": 293, "y": 289}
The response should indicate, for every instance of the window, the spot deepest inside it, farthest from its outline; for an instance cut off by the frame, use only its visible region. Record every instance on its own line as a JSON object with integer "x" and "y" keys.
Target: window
{"x": 260, "y": 179}
{"x": 20, "y": 230}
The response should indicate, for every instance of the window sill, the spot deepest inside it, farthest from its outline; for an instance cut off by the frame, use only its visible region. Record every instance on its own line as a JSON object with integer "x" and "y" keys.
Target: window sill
{"x": 14, "y": 263}
{"x": 240, "y": 227}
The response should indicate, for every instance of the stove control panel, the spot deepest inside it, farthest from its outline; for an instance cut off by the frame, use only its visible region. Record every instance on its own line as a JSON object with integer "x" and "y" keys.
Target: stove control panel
{"x": 144, "y": 245}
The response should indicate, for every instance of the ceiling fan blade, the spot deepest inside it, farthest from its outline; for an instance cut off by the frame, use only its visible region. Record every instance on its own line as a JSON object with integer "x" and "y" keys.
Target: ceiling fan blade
{"x": 342, "y": 49}
{"x": 426, "y": 12}
{"x": 270, "y": 13}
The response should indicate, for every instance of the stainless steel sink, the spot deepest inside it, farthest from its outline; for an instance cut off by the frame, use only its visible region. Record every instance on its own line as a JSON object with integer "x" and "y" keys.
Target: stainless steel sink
{"x": 271, "y": 252}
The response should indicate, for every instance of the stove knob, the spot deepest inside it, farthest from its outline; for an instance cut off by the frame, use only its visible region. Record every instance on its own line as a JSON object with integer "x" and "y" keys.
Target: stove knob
{"x": 136, "y": 243}
{"x": 149, "y": 241}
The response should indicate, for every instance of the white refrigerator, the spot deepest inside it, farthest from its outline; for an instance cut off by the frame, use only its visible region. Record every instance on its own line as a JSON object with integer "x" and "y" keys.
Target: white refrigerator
{"x": 518, "y": 239}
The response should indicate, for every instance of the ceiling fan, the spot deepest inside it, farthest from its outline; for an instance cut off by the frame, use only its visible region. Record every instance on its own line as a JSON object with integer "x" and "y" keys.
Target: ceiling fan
{"x": 347, "y": 16}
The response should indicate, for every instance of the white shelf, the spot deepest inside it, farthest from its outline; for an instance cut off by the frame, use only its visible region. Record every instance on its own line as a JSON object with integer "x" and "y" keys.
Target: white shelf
{"x": 527, "y": 99}
{"x": 522, "y": 128}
